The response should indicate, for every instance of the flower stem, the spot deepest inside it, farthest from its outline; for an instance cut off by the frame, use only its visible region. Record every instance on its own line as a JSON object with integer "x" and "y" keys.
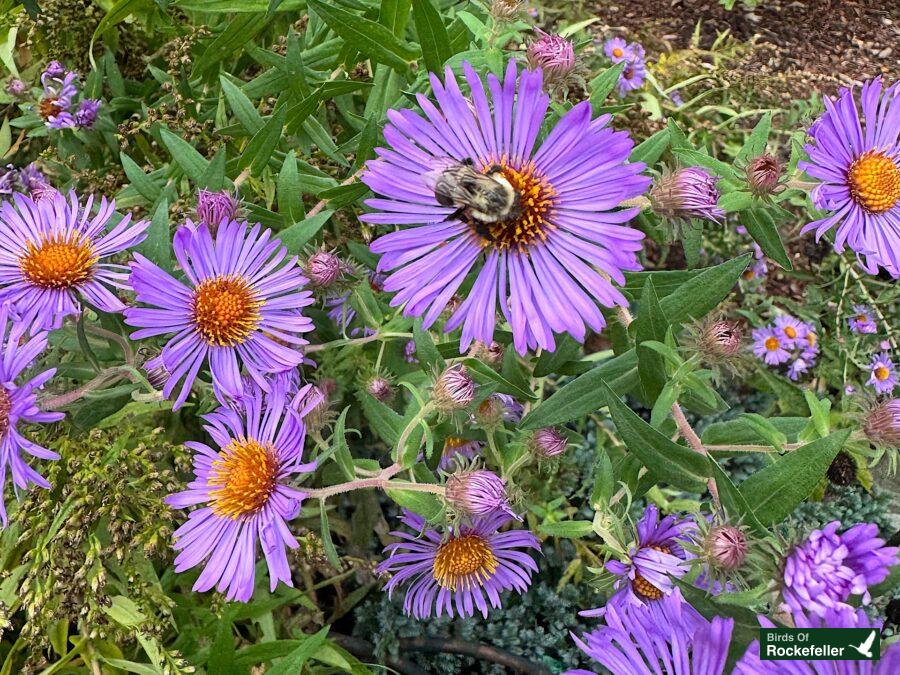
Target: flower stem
{"x": 345, "y": 342}
{"x": 382, "y": 482}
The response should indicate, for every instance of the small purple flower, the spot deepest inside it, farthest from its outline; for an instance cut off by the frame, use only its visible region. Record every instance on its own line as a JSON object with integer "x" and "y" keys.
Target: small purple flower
{"x": 60, "y": 91}
{"x": 849, "y": 390}
{"x": 840, "y": 616}
{"x": 656, "y": 557}
{"x": 768, "y": 346}
{"x": 235, "y": 306}
{"x": 759, "y": 268}
{"x": 52, "y": 257}
{"x": 545, "y": 267}
{"x": 457, "y": 450}
{"x": 53, "y": 70}
{"x": 409, "y": 352}
{"x": 245, "y": 492}
{"x": 496, "y": 409}
{"x": 86, "y": 114}
{"x": 462, "y": 572}
{"x": 553, "y": 54}
{"x": 478, "y": 493}
{"x": 883, "y": 373}
{"x": 616, "y": 50}
{"x": 215, "y": 207}
{"x": 18, "y": 405}
{"x": 32, "y": 178}
{"x": 797, "y": 367}
{"x": 635, "y": 70}
{"x": 790, "y": 330}
{"x": 676, "y": 99}
{"x": 856, "y": 157}
{"x": 687, "y": 193}
{"x": 668, "y": 637}
{"x": 862, "y": 321}
{"x": 828, "y": 567}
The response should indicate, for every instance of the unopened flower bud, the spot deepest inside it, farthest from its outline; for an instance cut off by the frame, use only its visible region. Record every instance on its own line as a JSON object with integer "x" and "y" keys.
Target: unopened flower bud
{"x": 16, "y": 87}
{"x": 324, "y": 268}
{"x": 409, "y": 352}
{"x": 453, "y": 389}
{"x": 720, "y": 338}
{"x": 548, "y": 442}
{"x": 763, "y": 175}
{"x": 380, "y": 389}
{"x": 727, "y": 547}
{"x": 319, "y": 415}
{"x": 478, "y": 493}
{"x": 214, "y": 207}
{"x": 505, "y": 9}
{"x": 882, "y": 423}
{"x": 687, "y": 193}
{"x": 491, "y": 354}
{"x": 553, "y": 54}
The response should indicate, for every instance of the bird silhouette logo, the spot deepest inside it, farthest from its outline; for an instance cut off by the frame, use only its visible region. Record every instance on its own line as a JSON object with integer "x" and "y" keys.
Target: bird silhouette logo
{"x": 865, "y": 647}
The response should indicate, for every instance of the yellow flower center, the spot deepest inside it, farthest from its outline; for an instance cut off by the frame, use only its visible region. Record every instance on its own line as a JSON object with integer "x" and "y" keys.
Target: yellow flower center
{"x": 874, "y": 180}
{"x": 225, "y": 310}
{"x": 245, "y": 477}
{"x": 617, "y": 52}
{"x": 791, "y": 332}
{"x": 58, "y": 261}
{"x": 811, "y": 339}
{"x": 463, "y": 562}
{"x": 643, "y": 587}
{"x": 882, "y": 373}
{"x": 453, "y": 443}
{"x": 530, "y": 218}
{"x": 748, "y": 275}
{"x": 862, "y": 318}
{"x": 772, "y": 344}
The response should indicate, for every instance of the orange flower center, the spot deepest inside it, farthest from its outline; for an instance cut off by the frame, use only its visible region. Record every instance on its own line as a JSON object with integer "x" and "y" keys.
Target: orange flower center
{"x": 225, "y": 310}
{"x": 244, "y": 476}
{"x": 811, "y": 339}
{"x": 643, "y": 587}
{"x": 617, "y": 52}
{"x": 882, "y": 373}
{"x": 874, "y": 180}
{"x": 58, "y": 261}
{"x": 530, "y": 218}
{"x": 772, "y": 344}
{"x": 791, "y": 332}
{"x": 862, "y": 318}
{"x": 464, "y": 561}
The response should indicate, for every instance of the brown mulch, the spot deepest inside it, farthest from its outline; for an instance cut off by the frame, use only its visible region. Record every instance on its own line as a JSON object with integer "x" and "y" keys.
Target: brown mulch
{"x": 814, "y": 45}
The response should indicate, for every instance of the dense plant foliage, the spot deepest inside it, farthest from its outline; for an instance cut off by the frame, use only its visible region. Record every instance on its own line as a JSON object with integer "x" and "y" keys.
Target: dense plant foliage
{"x": 446, "y": 336}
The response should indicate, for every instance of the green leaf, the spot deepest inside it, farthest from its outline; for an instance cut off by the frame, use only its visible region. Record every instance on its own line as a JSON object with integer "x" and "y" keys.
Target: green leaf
{"x": 298, "y": 235}
{"x": 432, "y": 35}
{"x": 394, "y": 14}
{"x": 124, "y": 612}
{"x": 755, "y": 144}
{"x": 385, "y": 421}
{"x": 241, "y": 106}
{"x": 259, "y": 150}
{"x": 157, "y": 247}
{"x": 221, "y": 651}
{"x": 601, "y": 85}
{"x": 293, "y": 662}
{"x": 363, "y": 300}
{"x": 693, "y": 157}
{"x": 651, "y": 149}
{"x": 740, "y": 432}
{"x": 342, "y": 455}
{"x": 484, "y": 374}
{"x": 651, "y": 324}
{"x": 289, "y": 191}
{"x": 776, "y": 490}
{"x": 139, "y": 180}
{"x": 370, "y": 38}
{"x": 703, "y": 292}
{"x": 691, "y": 236}
{"x": 763, "y": 428}
{"x": 238, "y": 32}
{"x": 428, "y": 355}
{"x": 120, "y": 11}
{"x": 604, "y": 480}
{"x": 733, "y": 501}
{"x": 327, "y": 543}
{"x": 568, "y": 529}
{"x": 185, "y": 155}
{"x": 214, "y": 176}
{"x": 666, "y": 460}
{"x": 425, "y": 504}
{"x": 567, "y": 349}
{"x": 736, "y": 200}
{"x": 761, "y": 226}
{"x": 819, "y": 411}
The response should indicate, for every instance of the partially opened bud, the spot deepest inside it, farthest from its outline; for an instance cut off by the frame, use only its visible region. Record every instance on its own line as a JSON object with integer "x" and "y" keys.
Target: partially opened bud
{"x": 548, "y": 442}
{"x": 214, "y": 207}
{"x": 16, "y": 87}
{"x": 763, "y": 175}
{"x": 720, "y": 338}
{"x": 727, "y": 547}
{"x": 478, "y": 493}
{"x": 687, "y": 193}
{"x": 324, "y": 268}
{"x": 882, "y": 423}
{"x": 453, "y": 389}
{"x": 553, "y": 54}
{"x": 380, "y": 389}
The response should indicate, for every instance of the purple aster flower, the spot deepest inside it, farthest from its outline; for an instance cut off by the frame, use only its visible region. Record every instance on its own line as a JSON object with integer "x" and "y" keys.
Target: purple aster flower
{"x": 666, "y": 637}
{"x": 840, "y": 616}
{"x": 856, "y": 158}
{"x": 616, "y": 50}
{"x": 797, "y": 367}
{"x": 635, "y": 70}
{"x": 496, "y": 409}
{"x": 214, "y": 207}
{"x": 553, "y": 54}
{"x": 244, "y": 491}
{"x": 548, "y": 442}
{"x": 768, "y": 346}
{"x": 86, "y": 114}
{"x": 883, "y": 374}
{"x": 790, "y": 330}
{"x": 810, "y": 344}
{"x": 9, "y": 180}
{"x": 687, "y": 193}
{"x": 461, "y": 572}
{"x": 18, "y": 405}
{"x": 54, "y": 69}
{"x": 236, "y": 306}
{"x": 478, "y": 493}
{"x": 862, "y": 321}
{"x": 563, "y": 242}
{"x": 457, "y": 450}
{"x": 60, "y": 91}
{"x": 828, "y": 567}
{"x": 51, "y": 256}
{"x": 32, "y": 178}
{"x": 759, "y": 268}
{"x": 656, "y": 557}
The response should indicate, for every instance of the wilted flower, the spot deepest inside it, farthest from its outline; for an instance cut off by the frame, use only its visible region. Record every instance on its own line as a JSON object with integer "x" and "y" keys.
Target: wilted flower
{"x": 553, "y": 54}
{"x": 883, "y": 374}
{"x": 215, "y": 207}
{"x": 882, "y": 423}
{"x": 462, "y": 572}
{"x": 727, "y": 547}
{"x": 324, "y": 268}
{"x": 859, "y": 170}
{"x": 457, "y": 450}
{"x": 478, "y": 493}
{"x": 862, "y": 321}
{"x": 505, "y": 9}
{"x": 453, "y": 389}
{"x": 828, "y": 567}
{"x": 763, "y": 175}
{"x": 768, "y": 346}
{"x": 687, "y": 193}
{"x": 380, "y": 388}
{"x": 496, "y": 409}
{"x": 491, "y": 354}
{"x": 538, "y": 265}
{"x": 548, "y": 442}
{"x": 15, "y": 87}
{"x": 842, "y": 470}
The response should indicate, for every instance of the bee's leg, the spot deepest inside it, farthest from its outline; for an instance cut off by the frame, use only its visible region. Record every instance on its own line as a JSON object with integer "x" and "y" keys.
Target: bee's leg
{"x": 456, "y": 215}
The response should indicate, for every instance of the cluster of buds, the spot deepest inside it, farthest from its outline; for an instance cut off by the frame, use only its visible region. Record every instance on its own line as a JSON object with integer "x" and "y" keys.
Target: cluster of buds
{"x": 453, "y": 389}
{"x": 687, "y": 193}
{"x": 215, "y": 207}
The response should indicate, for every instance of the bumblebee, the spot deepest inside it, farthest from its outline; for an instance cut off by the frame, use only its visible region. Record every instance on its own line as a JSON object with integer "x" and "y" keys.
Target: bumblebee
{"x": 480, "y": 198}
